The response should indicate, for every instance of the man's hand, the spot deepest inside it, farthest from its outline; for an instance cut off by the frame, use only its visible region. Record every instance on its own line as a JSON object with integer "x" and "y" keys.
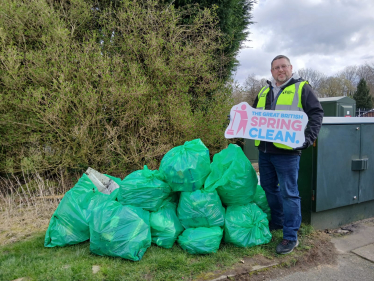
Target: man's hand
{"x": 304, "y": 146}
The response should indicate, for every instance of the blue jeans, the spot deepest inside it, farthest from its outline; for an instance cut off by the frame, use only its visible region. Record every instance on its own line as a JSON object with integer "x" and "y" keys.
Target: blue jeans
{"x": 283, "y": 199}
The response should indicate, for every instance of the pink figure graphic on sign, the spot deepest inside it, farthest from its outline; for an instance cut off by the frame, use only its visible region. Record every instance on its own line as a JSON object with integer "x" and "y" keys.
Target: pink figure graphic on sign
{"x": 243, "y": 118}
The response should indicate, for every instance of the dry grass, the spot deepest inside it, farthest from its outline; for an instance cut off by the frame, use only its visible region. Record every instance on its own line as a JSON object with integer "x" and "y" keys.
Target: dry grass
{"x": 26, "y": 205}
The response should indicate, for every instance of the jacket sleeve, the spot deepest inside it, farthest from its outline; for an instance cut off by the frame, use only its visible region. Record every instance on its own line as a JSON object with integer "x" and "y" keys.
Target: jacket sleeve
{"x": 312, "y": 107}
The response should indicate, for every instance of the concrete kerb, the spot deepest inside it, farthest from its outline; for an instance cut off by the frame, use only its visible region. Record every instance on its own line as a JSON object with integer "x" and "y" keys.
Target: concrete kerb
{"x": 252, "y": 269}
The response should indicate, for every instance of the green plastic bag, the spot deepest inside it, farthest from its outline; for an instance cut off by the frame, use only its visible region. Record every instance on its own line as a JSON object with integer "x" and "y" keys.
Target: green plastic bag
{"x": 91, "y": 201}
{"x": 262, "y": 202}
{"x": 186, "y": 167}
{"x": 201, "y": 240}
{"x": 246, "y": 226}
{"x": 69, "y": 223}
{"x": 119, "y": 231}
{"x": 174, "y": 197}
{"x": 165, "y": 226}
{"x": 201, "y": 208}
{"x": 233, "y": 176}
{"x": 145, "y": 189}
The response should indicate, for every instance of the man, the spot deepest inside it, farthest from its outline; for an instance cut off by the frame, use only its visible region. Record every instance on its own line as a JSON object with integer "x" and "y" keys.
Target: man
{"x": 278, "y": 163}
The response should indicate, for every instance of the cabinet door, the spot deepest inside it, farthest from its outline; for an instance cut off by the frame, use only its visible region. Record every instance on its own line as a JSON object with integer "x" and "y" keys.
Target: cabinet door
{"x": 336, "y": 183}
{"x": 366, "y": 185}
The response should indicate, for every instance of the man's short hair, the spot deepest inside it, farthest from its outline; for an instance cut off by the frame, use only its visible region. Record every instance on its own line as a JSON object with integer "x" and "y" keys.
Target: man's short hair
{"x": 279, "y": 57}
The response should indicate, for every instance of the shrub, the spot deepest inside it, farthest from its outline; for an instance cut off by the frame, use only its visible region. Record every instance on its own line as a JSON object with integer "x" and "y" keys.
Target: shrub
{"x": 112, "y": 86}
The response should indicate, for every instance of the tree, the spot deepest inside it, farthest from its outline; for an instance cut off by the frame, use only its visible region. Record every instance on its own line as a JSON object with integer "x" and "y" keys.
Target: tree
{"x": 237, "y": 92}
{"x": 234, "y": 18}
{"x": 350, "y": 73}
{"x": 314, "y": 77}
{"x": 367, "y": 72}
{"x": 113, "y": 87}
{"x": 335, "y": 86}
{"x": 362, "y": 95}
{"x": 252, "y": 87}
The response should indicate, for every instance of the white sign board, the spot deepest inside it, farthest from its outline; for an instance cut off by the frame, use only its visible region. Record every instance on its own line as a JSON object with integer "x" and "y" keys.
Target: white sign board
{"x": 285, "y": 127}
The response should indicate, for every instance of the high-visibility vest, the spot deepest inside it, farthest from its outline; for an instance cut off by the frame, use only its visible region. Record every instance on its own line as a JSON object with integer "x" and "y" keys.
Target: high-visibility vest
{"x": 289, "y": 99}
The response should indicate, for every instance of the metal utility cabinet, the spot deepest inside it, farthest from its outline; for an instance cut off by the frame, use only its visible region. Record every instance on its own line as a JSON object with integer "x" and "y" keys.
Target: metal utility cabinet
{"x": 250, "y": 150}
{"x": 336, "y": 176}
{"x": 338, "y": 106}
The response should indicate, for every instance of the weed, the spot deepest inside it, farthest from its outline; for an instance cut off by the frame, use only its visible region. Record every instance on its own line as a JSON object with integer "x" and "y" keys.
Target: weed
{"x": 305, "y": 230}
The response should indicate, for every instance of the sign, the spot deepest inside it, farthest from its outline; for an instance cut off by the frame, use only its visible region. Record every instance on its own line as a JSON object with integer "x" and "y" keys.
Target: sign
{"x": 285, "y": 127}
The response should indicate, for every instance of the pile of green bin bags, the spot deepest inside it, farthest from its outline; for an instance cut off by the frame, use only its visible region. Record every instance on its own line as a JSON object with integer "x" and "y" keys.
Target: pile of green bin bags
{"x": 69, "y": 223}
{"x": 188, "y": 200}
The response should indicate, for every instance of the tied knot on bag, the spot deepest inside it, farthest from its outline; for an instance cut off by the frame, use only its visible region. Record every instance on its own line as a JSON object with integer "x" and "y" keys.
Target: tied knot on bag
{"x": 147, "y": 172}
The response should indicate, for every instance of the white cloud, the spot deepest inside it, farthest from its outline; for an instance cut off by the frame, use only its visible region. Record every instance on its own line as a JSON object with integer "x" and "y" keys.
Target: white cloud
{"x": 323, "y": 35}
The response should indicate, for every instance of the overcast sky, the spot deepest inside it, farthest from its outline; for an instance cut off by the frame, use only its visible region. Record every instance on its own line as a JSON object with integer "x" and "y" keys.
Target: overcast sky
{"x": 325, "y": 35}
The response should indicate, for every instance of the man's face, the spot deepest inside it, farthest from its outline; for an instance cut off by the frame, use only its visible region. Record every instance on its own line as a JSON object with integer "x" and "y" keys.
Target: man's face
{"x": 281, "y": 71}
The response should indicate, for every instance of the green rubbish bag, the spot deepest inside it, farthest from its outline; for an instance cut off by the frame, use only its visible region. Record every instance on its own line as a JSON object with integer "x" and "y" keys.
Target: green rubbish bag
{"x": 246, "y": 226}
{"x": 145, "y": 188}
{"x": 69, "y": 223}
{"x": 261, "y": 201}
{"x": 91, "y": 201}
{"x": 201, "y": 208}
{"x": 233, "y": 175}
{"x": 186, "y": 167}
{"x": 165, "y": 226}
{"x": 174, "y": 197}
{"x": 119, "y": 231}
{"x": 201, "y": 240}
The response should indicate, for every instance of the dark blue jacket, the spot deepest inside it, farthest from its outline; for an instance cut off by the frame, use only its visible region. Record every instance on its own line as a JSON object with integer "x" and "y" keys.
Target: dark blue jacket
{"x": 311, "y": 107}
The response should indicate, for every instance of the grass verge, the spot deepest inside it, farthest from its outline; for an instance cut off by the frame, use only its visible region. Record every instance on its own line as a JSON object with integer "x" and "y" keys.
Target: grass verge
{"x": 30, "y": 260}
{"x": 24, "y": 219}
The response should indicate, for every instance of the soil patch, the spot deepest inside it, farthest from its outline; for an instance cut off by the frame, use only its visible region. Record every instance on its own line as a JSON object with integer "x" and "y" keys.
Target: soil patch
{"x": 317, "y": 250}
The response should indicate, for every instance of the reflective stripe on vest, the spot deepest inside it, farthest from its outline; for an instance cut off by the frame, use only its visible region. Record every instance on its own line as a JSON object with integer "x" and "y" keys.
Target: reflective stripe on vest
{"x": 289, "y": 99}
{"x": 262, "y": 97}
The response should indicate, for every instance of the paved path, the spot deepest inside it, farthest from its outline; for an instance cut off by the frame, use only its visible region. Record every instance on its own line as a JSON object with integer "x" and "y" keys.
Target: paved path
{"x": 355, "y": 260}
